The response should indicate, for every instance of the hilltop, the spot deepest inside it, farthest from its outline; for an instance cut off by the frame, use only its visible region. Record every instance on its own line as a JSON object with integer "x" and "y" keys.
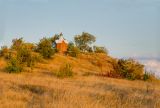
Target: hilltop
{"x": 55, "y": 73}
{"x": 40, "y": 88}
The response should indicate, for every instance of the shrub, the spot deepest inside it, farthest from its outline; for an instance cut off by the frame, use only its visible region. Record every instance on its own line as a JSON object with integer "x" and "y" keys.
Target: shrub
{"x": 37, "y": 57}
{"x": 148, "y": 76}
{"x": 23, "y": 54}
{"x": 65, "y": 71}
{"x": 45, "y": 48}
{"x": 14, "y": 66}
{"x": 16, "y": 43}
{"x": 4, "y": 52}
{"x": 30, "y": 46}
{"x": 23, "y": 57}
{"x": 30, "y": 61}
{"x": 33, "y": 58}
{"x": 72, "y": 50}
{"x": 145, "y": 76}
{"x": 98, "y": 49}
{"x": 130, "y": 69}
{"x": 26, "y": 56}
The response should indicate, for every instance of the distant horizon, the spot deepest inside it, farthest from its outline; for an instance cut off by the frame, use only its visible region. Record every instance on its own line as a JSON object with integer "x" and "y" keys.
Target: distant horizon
{"x": 125, "y": 28}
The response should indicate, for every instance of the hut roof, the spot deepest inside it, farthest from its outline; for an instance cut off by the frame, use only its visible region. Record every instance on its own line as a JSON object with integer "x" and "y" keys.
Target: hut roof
{"x": 61, "y": 39}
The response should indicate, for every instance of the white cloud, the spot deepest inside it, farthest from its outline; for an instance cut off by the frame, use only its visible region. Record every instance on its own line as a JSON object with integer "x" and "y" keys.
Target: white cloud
{"x": 150, "y": 61}
{"x": 152, "y": 65}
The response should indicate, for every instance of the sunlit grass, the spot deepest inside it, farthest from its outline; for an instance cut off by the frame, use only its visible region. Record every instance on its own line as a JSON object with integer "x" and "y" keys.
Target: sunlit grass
{"x": 40, "y": 88}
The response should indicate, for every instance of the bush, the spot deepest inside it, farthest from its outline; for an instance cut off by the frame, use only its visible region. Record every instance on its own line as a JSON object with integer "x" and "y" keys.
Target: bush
{"x": 16, "y": 43}
{"x": 145, "y": 77}
{"x": 24, "y": 56}
{"x": 30, "y": 46}
{"x": 148, "y": 76}
{"x": 37, "y": 57}
{"x": 14, "y": 66}
{"x": 65, "y": 71}
{"x": 72, "y": 50}
{"x": 4, "y": 52}
{"x": 130, "y": 69}
{"x": 45, "y": 48}
{"x": 98, "y": 49}
{"x": 30, "y": 61}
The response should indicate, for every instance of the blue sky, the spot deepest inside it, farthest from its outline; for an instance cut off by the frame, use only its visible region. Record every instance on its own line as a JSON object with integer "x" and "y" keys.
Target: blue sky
{"x": 126, "y": 27}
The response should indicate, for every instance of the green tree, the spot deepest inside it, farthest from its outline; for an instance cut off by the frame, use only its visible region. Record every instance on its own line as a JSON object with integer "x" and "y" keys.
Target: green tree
{"x": 84, "y": 41}
{"x": 45, "y": 48}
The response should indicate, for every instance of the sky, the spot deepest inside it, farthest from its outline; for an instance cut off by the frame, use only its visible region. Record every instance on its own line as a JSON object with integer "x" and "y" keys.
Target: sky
{"x": 127, "y": 28}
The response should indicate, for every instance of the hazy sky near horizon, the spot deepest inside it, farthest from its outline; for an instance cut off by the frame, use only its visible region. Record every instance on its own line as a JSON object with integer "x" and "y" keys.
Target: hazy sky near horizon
{"x": 125, "y": 27}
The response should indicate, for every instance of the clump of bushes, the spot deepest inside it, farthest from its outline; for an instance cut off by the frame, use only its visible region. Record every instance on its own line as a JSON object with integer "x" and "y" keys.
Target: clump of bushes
{"x": 72, "y": 50}
{"x": 16, "y": 43}
{"x": 148, "y": 76}
{"x": 98, "y": 49}
{"x": 45, "y": 48}
{"x": 4, "y": 52}
{"x": 25, "y": 56}
{"x": 128, "y": 68}
{"x": 21, "y": 55}
{"x": 14, "y": 66}
{"x": 65, "y": 71}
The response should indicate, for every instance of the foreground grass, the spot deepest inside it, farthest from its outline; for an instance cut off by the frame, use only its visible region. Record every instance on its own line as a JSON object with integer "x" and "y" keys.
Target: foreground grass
{"x": 39, "y": 88}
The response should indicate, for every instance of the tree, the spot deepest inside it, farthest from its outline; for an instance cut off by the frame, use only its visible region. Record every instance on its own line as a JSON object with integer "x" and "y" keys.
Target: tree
{"x": 84, "y": 41}
{"x": 45, "y": 48}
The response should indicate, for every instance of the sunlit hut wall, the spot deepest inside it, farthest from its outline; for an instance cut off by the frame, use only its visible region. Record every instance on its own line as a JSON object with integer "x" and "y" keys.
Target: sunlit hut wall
{"x": 61, "y": 44}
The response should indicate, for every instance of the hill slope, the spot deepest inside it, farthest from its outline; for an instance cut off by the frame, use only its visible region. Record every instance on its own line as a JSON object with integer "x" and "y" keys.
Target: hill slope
{"x": 39, "y": 88}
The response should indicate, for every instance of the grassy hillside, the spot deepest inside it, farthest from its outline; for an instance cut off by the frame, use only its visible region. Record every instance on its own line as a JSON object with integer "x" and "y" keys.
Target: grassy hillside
{"x": 40, "y": 88}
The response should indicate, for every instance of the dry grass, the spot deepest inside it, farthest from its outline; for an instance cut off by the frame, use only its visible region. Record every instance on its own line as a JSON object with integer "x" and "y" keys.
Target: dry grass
{"x": 39, "y": 88}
